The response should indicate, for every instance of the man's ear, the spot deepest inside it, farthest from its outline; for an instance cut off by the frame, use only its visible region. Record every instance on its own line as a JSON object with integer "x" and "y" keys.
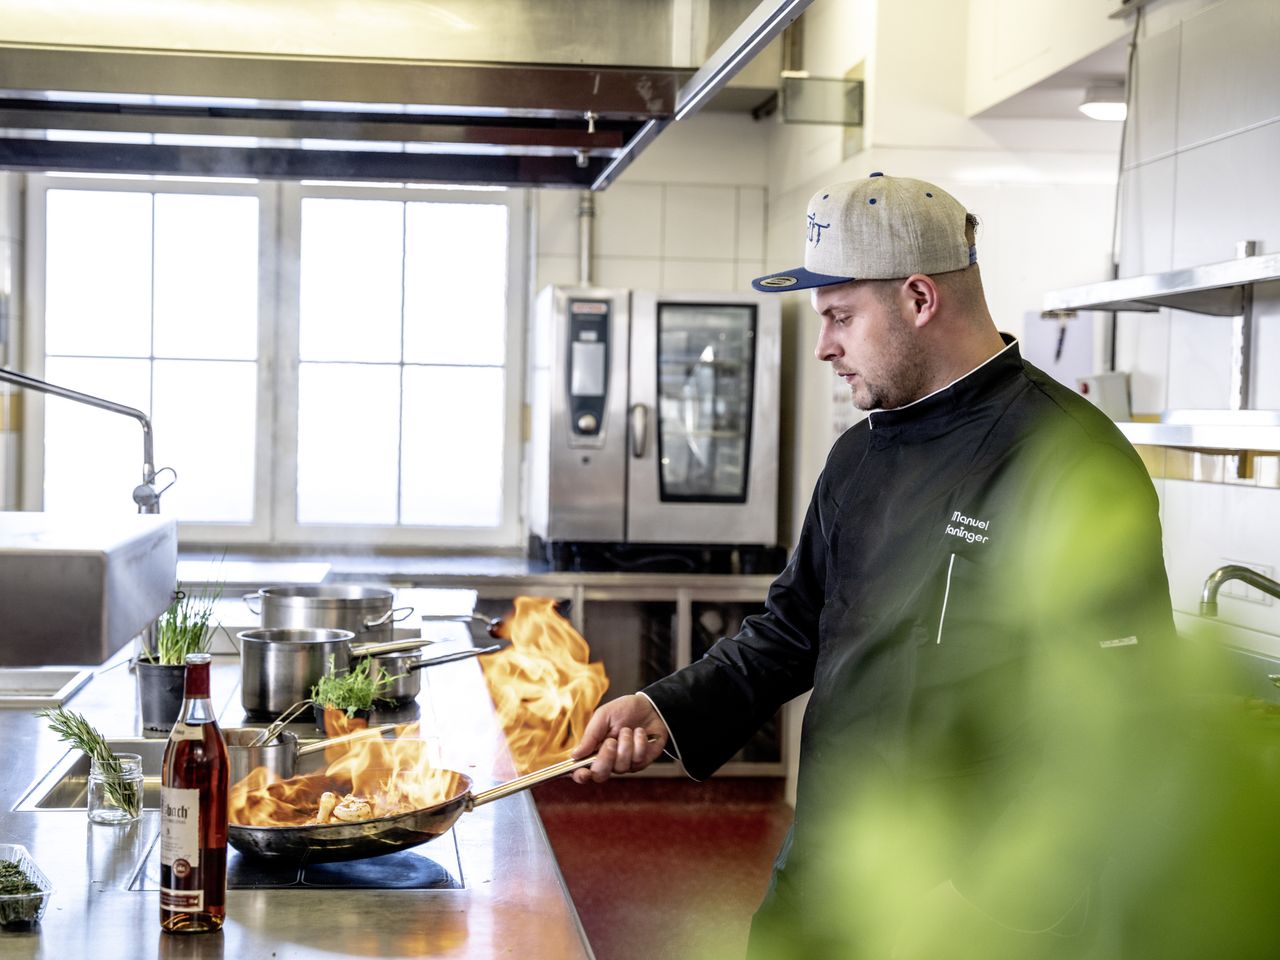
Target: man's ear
{"x": 921, "y": 294}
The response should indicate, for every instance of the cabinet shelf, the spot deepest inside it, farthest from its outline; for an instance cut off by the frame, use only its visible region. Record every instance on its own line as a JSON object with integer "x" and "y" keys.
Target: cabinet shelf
{"x": 1219, "y": 289}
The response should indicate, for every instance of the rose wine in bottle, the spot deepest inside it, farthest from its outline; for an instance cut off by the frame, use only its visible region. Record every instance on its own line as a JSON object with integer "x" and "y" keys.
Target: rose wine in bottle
{"x": 193, "y": 812}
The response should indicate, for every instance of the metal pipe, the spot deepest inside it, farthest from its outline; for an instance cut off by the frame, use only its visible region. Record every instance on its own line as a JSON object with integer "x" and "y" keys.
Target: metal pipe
{"x": 586, "y": 235}
{"x": 1233, "y": 571}
{"x": 144, "y": 496}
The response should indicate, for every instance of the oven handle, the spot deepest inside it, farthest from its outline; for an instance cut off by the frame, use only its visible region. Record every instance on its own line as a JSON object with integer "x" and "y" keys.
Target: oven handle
{"x": 639, "y": 429}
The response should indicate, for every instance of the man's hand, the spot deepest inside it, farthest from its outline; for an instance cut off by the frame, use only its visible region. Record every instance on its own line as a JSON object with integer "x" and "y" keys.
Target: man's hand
{"x": 619, "y": 733}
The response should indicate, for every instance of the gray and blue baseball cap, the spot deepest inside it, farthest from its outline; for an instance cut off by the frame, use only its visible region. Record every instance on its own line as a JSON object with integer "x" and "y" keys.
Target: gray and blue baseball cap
{"x": 880, "y": 228}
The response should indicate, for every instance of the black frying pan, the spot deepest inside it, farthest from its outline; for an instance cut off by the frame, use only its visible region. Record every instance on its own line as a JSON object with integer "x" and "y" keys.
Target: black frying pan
{"x": 330, "y": 842}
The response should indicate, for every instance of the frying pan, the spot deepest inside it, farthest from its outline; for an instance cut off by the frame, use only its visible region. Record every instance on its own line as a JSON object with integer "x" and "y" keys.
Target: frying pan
{"x": 331, "y": 842}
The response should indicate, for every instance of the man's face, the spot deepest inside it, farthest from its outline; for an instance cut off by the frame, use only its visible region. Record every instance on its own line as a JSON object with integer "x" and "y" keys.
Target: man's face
{"x": 868, "y": 336}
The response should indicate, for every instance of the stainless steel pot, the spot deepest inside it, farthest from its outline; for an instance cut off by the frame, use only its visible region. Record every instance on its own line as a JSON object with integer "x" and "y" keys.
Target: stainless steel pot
{"x": 280, "y": 665}
{"x": 280, "y": 754}
{"x": 368, "y": 612}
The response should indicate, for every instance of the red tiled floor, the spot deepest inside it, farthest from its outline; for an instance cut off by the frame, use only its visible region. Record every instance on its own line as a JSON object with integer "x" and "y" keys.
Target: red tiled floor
{"x": 665, "y": 869}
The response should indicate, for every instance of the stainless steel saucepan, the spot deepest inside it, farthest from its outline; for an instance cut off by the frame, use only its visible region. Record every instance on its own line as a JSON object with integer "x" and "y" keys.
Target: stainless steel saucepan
{"x": 330, "y": 842}
{"x": 280, "y": 665}
{"x": 280, "y": 754}
{"x": 367, "y": 611}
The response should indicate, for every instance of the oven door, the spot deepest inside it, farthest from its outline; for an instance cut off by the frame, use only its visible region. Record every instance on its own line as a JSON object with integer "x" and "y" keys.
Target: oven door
{"x": 702, "y": 452}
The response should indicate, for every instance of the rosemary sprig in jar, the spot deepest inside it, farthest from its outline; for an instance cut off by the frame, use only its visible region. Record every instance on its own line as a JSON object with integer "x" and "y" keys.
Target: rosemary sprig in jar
{"x": 76, "y": 730}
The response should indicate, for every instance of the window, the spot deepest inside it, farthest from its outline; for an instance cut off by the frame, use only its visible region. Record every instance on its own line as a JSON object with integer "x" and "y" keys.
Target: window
{"x": 321, "y": 364}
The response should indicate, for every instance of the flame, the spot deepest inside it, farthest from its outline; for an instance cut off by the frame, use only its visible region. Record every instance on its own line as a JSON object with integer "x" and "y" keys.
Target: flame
{"x": 395, "y": 775}
{"x": 543, "y": 687}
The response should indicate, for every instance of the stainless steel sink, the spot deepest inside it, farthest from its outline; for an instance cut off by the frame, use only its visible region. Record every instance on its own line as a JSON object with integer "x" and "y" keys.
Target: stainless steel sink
{"x": 66, "y": 785}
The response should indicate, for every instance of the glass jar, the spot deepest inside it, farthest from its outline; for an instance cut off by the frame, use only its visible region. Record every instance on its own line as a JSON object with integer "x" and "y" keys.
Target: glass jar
{"x": 115, "y": 796}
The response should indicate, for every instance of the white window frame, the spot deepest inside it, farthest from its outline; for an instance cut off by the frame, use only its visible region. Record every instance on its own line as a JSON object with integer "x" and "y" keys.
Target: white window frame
{"x": 509, "y": 532}
{"x": 275, "y": 468}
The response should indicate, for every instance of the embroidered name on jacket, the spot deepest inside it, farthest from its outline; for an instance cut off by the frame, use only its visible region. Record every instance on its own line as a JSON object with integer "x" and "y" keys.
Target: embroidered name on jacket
{"x": 968, "y": 528}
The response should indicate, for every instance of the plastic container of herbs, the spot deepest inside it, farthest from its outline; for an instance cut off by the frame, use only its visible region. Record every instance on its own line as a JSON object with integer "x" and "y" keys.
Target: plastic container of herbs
{"x": 24, "y": 889}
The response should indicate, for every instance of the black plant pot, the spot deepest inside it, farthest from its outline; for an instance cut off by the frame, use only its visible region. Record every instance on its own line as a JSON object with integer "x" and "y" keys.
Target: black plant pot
{"x": 160, "y": 688}
{"x": 355, "y": 714}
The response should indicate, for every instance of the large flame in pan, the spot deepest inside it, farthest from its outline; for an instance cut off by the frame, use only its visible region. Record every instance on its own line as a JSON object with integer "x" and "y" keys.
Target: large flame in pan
{"x": 394, "y": 776}
{"x": 543, "y": 686}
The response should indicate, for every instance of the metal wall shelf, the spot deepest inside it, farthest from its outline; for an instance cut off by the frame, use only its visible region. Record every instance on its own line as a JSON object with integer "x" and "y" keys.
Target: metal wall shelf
{"x": 1219, "y": 289}
{"x": 1210, "y": 430}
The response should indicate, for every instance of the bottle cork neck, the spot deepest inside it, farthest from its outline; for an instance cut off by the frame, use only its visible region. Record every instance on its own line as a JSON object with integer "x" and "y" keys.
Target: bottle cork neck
{"x": 197, "y": 681}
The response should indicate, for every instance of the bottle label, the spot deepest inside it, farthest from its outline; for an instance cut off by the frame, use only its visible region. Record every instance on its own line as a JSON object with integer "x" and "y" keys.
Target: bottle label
{"x": 180, "y": 848}
{"x": 187, "y": 731}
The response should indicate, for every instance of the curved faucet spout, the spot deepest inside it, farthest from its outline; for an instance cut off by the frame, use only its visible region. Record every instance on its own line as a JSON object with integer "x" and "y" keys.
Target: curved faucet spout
{"x": 1233, "y": 571}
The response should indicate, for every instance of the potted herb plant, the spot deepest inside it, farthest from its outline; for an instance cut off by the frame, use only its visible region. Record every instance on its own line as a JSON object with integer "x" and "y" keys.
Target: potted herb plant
{"x": 182, "y": 629}
{"x": 352, "y": 692}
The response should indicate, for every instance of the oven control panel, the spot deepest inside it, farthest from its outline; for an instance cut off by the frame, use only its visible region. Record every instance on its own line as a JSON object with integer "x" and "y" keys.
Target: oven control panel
{"x": 588, "y": 366}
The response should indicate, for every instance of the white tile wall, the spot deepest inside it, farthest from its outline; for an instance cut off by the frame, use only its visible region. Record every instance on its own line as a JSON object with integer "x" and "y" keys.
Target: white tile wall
{"x": 749, "y": 235}
{"x": 1228, "y": 190}
{"x": 557, "y": 270}
{"x": 1199, "y": 362}
{"x": 1266, "y": 347}
{"x": 698, "y": 274}
{"x": 557, "y": 212}
{"x": 700, "y": 222}
{"x": 1146, "y": 219}
{"x": 629, "y": 220}
{"x": 634, "y": 273}
{"x": 1153, "y": 129}
{"x": 1233, "y": 525}
{"x": 1230, "y": 74}
{"x": 1218, "y": 186}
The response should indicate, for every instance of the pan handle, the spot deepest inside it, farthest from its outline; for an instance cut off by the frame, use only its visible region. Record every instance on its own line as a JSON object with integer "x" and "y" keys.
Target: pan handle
{"x": 248, "y": 599}
{"x": 531, "y": 780}
{"x": 492, "y": 648}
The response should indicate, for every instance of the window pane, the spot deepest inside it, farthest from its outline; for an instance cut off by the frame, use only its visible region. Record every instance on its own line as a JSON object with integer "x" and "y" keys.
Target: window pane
{"x": 352, "y": 251}
{"x": 98, "y": 273}
{"x": 92, "y": 457}
{"x": 455, "y": 283}
{"x": 206, "y": 276}
{"x": 453, "y": 447}
{"x": 204, "y": 427}
{"x": 348, "y": 433}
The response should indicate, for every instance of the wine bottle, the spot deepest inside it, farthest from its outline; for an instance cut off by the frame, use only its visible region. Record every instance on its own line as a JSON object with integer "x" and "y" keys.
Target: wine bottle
{"x": 193, "y": 812}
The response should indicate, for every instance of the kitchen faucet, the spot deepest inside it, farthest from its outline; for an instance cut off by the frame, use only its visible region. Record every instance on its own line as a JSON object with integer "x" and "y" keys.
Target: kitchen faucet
{"x": 145, "y": 494}
{"x": 1233, "y": 571}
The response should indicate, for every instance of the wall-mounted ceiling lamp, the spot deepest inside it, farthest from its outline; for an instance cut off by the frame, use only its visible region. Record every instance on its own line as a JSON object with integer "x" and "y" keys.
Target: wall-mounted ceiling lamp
{"x": 1104, "y": 100}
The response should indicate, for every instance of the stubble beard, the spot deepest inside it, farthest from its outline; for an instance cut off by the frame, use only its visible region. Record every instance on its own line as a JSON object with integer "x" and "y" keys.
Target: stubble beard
{"x": 903, "y": 378}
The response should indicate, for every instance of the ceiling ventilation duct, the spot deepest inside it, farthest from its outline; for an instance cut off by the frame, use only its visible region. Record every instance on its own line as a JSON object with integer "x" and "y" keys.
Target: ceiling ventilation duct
{"x": 493, "y": 92}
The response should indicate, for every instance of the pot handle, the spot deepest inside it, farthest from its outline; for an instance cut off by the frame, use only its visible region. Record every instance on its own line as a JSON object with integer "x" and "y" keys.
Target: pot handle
{"x": 450, "y": 658}
{"x": 389, "y": 615}
{"x": 345, "y": 738}
{"x": 390, "y": 646}
{"x": 531, "y": 780}
{"x": 249, "y": 597}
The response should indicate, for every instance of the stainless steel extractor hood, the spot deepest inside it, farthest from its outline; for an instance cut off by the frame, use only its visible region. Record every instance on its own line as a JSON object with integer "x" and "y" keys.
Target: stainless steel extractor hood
{"x": 498, "y": 92}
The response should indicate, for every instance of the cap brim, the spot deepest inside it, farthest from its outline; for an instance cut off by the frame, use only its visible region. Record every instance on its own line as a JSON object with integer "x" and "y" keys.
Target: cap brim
{"x": 797, "y": 279}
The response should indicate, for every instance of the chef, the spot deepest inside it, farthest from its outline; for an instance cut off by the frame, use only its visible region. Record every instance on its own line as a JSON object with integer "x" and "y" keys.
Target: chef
{"x": 976, "y": 587}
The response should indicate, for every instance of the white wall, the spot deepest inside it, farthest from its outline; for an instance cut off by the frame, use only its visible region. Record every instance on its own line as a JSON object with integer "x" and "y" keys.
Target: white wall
{"x": 688, "y": 214}
{"x": 10, "y": 304}
{"x": 1200, "y": 174}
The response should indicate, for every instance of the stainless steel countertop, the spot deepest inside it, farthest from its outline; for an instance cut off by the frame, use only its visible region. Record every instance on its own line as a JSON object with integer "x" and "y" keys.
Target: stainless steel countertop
{"x": 514, "y": 902}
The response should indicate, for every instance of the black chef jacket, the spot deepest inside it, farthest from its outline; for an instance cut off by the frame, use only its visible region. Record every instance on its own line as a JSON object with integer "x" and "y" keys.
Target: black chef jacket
{"x": 961, "y": 556}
